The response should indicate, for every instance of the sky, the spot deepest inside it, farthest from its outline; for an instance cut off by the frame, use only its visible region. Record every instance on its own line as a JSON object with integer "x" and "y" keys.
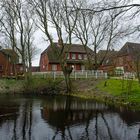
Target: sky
{"x": 42, "y": 44}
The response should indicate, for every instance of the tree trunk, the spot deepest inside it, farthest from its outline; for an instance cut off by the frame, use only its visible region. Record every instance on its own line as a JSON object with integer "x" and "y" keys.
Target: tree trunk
{"x": 68, "y": 82}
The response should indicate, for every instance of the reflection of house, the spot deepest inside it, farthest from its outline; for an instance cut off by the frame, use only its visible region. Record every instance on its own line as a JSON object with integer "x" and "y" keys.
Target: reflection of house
{"x": 75, "y": 55}
{"x": 108, "y": 60}
{"x": 9, "y": 62}
{"x": 63, "y": 112}
{"x": 127, "y": 56}
{"x": 61, "y": 118}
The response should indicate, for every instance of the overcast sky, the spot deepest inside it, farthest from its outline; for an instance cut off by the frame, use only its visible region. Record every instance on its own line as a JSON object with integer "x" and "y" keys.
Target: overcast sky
{"x": 42, "y": 44}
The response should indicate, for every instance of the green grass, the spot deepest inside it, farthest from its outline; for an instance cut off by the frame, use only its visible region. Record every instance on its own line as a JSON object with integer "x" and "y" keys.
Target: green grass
{"x": 129, "y": 90}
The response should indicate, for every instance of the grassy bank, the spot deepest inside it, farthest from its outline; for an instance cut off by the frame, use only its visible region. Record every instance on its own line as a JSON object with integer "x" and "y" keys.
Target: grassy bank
{"x": 127, "y": 89}
{"x": 11, "y": 86}
{"x": 115, "y": 92}
{"x": 32, "y": 86}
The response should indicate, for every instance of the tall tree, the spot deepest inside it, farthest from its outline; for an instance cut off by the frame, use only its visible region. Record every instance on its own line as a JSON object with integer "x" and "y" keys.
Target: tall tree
{"x": 51, "y": 12}
{"x": 18, "y": 26}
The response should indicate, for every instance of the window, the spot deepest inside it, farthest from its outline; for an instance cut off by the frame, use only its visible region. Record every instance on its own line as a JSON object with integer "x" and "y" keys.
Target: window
{"x": 54, "y": 67}
{"x": 85, "y": 57}
{"x": 79, "y": 56}
{"x": 73, "y": 56}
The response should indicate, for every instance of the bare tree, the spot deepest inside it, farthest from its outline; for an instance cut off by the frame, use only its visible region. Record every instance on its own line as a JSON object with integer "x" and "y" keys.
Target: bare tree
{"x": 101, "y": 30}
{"x": 8, "y": 25}
{"x": 136, "y": 64}
{"x": 18, "y": 26}
{"x": 50, "y": 12}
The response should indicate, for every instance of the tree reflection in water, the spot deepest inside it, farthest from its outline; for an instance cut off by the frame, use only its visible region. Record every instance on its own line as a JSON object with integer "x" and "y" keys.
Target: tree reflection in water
{"x": 108, "y": 123}
{"x": 57, "y": 118}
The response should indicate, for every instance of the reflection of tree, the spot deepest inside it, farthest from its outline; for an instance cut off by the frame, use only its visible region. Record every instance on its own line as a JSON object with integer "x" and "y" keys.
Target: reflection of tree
{"x": 69, "y": 132}
{"x": 96, "y": 125}
{"x": 27, "y": 121}
{"x": 107, "y": 126}
{"x": 24, "y": 122}
{"x": 30, "y": 119}
{"x": 70, "y": 119}
{"x": 72, "y": 112}
{"x": 139, "y": 134}
{"x": 14, "y": 129}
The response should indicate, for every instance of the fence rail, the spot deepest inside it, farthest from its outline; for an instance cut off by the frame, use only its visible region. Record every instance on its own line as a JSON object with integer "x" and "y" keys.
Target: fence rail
{"x": 75, "y": 74}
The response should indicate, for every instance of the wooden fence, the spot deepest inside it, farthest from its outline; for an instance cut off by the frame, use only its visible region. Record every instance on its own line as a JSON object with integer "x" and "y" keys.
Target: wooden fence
{"x": 75, "y": 74}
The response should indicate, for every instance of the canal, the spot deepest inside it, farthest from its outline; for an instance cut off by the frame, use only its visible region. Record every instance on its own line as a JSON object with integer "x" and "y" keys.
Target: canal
{"x": 65, "y": 118}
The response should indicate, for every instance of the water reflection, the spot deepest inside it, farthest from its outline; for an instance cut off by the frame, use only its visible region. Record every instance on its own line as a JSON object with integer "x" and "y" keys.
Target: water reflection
{"x": 57, "y": 118}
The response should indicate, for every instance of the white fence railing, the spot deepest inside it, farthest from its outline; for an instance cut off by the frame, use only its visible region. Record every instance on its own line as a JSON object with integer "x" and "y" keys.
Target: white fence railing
{"x": 126, "y": 75}
{"x": 75, "y": 74}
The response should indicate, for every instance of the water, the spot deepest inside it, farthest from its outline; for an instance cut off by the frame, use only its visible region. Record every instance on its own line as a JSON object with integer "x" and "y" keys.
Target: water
{"x": 63, "y": 118}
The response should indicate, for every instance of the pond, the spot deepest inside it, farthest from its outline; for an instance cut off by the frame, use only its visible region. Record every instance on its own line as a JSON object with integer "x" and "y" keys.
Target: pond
{"x": 65, "y": 118}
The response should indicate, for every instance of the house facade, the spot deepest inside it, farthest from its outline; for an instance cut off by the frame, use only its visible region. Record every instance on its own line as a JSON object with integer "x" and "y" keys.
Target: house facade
{"x": 75, "y": 56}
{"x": 108, "y": 61}
{"x": 124, "y": 60}
{"x": 128, "y": 57}
{"x": 9, "y": 63}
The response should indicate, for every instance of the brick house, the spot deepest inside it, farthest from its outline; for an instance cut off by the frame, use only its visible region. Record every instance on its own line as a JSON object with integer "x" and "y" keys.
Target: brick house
{"x": 8, "y": 58}
{"x": 127, "y": 57}
{"x": 75, "y": 55}
{"x": 108, "y": 64}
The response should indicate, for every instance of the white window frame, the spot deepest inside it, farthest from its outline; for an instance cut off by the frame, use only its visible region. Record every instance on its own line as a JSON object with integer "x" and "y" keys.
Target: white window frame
{"x": 54, "y": 67}
{"x": 73, "y": 56}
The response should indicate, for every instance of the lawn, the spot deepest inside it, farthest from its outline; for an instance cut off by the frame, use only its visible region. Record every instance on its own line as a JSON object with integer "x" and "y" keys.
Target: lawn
{"x": 127, "y": 89}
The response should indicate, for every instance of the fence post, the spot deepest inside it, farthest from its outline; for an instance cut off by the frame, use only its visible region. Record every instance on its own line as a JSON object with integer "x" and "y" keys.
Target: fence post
{"x": 54, "y": 75}
{"x": 106, "y": 76}
{"x": 86, "y": 75}
{"x": 75, "y": 76}
{"x": 96, "y": 75}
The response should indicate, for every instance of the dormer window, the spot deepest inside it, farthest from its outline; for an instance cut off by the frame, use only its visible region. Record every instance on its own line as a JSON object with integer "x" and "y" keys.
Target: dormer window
{"x": 73, "y": 56}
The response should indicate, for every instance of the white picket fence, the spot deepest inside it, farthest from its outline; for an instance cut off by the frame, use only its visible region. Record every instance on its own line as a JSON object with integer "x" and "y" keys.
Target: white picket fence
{"x": 75, "y": 74}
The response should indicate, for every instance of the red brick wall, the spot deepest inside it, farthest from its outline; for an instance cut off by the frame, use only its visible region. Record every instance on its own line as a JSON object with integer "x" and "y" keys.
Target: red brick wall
{"x": 6, "y": 66}
{"x": 44, "y": 63}
{"x": 78, "y": 67}
{"x": 126, "y": 62}
{"x": 46, "y": 66}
